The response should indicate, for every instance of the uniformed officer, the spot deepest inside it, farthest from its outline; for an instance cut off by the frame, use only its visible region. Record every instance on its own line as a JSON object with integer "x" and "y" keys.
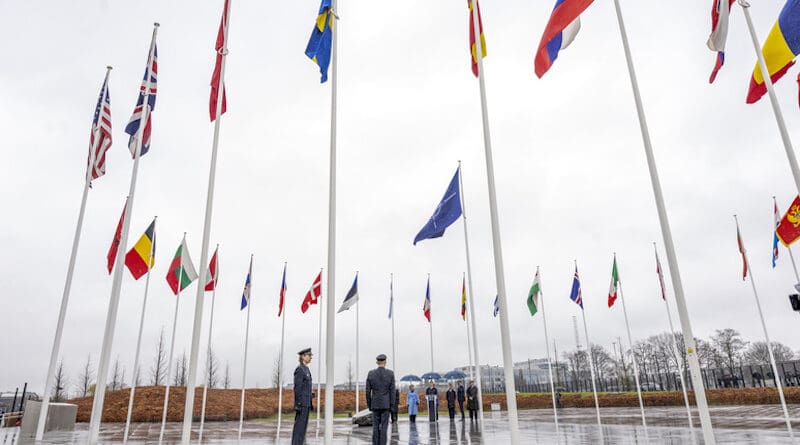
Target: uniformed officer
{"x": 302, "y": 397}
{"x": 380, "y": 398}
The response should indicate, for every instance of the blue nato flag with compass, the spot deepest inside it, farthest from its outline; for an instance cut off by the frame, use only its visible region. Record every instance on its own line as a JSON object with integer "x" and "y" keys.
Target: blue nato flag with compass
{"x": 446, "y": 213}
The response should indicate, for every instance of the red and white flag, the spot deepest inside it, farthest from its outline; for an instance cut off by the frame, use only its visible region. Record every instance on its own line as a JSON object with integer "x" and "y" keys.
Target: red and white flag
{"x": 660, "y": 277}
{"x": 283, "y": 292}
{"x": 219, "y": 48}
{"x": 720, "y": 11}
{"x": 742, "y": 251}
{"x": 212, "y": 272}
{"x": 313, "y": 294}
{"x": 112, "y": 251}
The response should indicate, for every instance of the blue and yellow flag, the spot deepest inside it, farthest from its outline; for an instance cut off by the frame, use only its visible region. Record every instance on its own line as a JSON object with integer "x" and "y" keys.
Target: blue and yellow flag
{"x": 319, "y": 45}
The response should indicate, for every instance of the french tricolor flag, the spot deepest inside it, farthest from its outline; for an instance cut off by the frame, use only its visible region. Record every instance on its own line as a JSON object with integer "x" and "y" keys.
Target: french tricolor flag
{"x": 560, "y": 31}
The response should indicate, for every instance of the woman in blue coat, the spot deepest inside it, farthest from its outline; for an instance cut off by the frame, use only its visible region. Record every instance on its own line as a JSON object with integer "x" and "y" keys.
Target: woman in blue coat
{"x": 412, "y": 399}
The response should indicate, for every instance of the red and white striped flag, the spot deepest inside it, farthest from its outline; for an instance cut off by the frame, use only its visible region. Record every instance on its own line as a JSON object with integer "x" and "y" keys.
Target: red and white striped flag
{"x": 212, "y": 272}
{"x": 219, "y": 48}
{"x": 100, "y": 139}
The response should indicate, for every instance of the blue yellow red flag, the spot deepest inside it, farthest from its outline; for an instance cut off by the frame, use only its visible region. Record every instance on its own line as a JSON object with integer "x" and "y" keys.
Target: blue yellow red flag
{"x": 780, "y": 49}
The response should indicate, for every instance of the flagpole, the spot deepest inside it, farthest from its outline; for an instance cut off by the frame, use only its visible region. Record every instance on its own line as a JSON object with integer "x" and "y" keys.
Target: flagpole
{"x": 469, "y": 345}
{"x": 474, "y": 327}
{"x": 116, "y": 286}
{"x": 505, "y": 335}
{"x": 319, "y": 366}
{"x": 197, "y": 327}
{"x": 357, "y": 404}
{"x": 672, "y": 260}
{"x": 635, "y": 363}
{"x": 210, "y": 328}
{"x": 591, "y": 371}
{"x": 62, "y": 313}
{"x": 776, "y": 108}
{"x": 430, "y": 322}
{"x": 139, "y": 338}
{"x": 172, "y": 344}
{"x": 280, "y": 361}
{"x": 677, "y": 356}
{"x": 394, "y": 314}
{"x": 766, "y": 336}
{"x": 549, "y": 363}
{"x": 246, "y": 340}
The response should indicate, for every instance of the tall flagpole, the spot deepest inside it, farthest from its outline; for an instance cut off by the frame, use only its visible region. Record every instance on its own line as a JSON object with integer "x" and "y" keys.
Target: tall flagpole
{"x": 505, "y": 335}
{"x": 116, "y": 286}
{"x": 357, "y": 401}
{"x": 319, "y": 367}
{"x": 591, "y": 371}
{"x": 635, "y": 363}
{"x": 430, "y": 322}
{"x": 210, "y": 328}
{"x": 766, "y": 335}
{"x": 280, "y": 358}
{"x": 474, "y": 327}
{"x": 246, "y": 340}
{"x": 62, "y": 313}
{"x": 172, "y": 345}
{"x": 683, "y": 312}
{"x": 139, "y": 339}
{"x": 469, "y": 343}
{"x": 394, "y": 314}
{"x": 197, "y": 327}
{"x": 549, "y": 363}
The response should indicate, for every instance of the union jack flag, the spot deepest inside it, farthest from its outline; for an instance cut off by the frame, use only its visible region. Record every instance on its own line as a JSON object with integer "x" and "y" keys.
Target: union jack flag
{"x": 133, "y": 124}
{"x": 575, "y": 295}
{"x": 100, "y": 139}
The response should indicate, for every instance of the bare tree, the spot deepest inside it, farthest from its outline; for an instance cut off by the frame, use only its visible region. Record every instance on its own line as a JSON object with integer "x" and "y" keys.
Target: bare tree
{"x": 118, "y": 375}
{"x": 59, "y": 383}
{"x": 160, "y": 362}
{"x": 350, "y": 375}
{"x": 728, "y": 342}
{"x": 276, "y": 372}
{"x": 180, "y": 371}
{"x": 757, "y": 354}
{"x": 212, "y": 377}
{"x": 577, "y": 363}
{"x": 226, "y": 380}
{"x": 85, "y": 378}
{"x": 603, "y": 362}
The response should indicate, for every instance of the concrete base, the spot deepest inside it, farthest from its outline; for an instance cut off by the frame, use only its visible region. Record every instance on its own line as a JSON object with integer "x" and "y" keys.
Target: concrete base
{"x": 61, "y": 417}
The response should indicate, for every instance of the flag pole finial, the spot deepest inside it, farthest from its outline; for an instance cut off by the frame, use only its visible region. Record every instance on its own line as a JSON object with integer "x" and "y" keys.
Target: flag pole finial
{"x": 109, "y": 67}
{"x": 156, "y": 24}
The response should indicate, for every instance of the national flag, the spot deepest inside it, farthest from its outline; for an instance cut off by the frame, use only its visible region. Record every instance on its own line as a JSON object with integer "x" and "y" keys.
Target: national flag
{"x": 247, "y": 285}
{"x": 788, "y": 230}
{"x": 533, "y": 294}
{"x": 560, "y": 31}
{"x": 775, "y": 233}
{"x": 426, "y": 307}
{"x": 352, "y": 296}
{"x": 391, "y": 299}
{"x": 112, "y": 251}
{"x": 282, "y": 294}
{"x": 496, "y": 306}
{"x": 720, "y": 11}
{"x": 780, "y": 48}
{"x": 142, "y": 256}
{"x": 319, "y": 45}
{"x": 211, "y": 274}
{"x": 613, "y": 288}
{"x": 575, "y": 295}
{"x": 219, "y": 49}
{"x": 660, "y": 273}
{"x": 133, "y": 124}
{"x": 100, "y": 138}
{"x": 313, "y": 294}
{"x": 463, "y": 299}
{"x": 446, "y": 213}
{"x": 742, "y": 251}
{"x": 472, "y": 42}
{"x": 181, "y": 270}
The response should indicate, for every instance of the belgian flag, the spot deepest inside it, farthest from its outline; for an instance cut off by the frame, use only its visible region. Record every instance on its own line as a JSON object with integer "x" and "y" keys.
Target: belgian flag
{"x": 142, "y": 253}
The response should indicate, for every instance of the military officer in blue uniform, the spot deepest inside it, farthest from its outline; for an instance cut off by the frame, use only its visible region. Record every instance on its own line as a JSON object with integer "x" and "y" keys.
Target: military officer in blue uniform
{"x": 302, "y": 397}
{"x": 380, "y": 392}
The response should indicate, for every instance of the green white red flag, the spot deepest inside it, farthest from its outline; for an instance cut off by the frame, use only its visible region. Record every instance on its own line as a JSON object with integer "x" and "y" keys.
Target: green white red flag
{"x": 613, "y": 288}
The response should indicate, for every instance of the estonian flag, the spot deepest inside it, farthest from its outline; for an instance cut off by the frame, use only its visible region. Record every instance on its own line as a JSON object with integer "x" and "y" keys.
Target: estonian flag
{"x": 352, "y": 296}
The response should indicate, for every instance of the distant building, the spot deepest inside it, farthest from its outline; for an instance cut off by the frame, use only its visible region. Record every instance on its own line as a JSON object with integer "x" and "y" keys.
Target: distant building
{"x": 527, "y": 375}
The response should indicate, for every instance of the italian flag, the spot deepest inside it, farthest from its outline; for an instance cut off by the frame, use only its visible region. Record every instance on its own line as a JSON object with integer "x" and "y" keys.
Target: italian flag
{"x": 612, "y": 289}
{"x": 533, "y": 294}
{"x": 181, "y": 269}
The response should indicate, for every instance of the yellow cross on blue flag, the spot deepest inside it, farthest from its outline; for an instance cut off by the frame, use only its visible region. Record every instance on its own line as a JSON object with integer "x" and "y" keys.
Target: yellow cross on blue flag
{"x": 319, "y": 45}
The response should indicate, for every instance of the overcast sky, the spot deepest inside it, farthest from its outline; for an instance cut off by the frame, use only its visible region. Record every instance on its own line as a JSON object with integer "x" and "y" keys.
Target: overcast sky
{"x": 572, "y": 181}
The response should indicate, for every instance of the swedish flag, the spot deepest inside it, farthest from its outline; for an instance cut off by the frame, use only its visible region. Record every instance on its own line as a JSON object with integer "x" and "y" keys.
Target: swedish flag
{"x": 319, "y": 45}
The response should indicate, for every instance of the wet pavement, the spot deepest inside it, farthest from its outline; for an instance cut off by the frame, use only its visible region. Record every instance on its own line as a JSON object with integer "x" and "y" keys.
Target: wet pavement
{"x": 666, "y": 425}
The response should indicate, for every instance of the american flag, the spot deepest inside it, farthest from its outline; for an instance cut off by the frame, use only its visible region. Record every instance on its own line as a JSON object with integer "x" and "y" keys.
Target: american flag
{"x": 575, "y": 295}
{"x": 133, "y": 124}
{"x": 100, "y": 139}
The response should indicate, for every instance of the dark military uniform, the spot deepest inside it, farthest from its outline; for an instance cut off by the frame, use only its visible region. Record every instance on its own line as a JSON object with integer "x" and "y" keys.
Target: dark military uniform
{"x": 395, "y": 405}
{"x": 380, "y": 392}
{"x": 461, "y": 396}
{"x": 302, "y": 402}
{"x": 451, "y": 403}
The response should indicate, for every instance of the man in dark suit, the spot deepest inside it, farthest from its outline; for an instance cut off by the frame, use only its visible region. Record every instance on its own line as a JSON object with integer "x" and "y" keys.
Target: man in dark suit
{"x": 302, "y": 397}
{"x": 461, "y": 395}
{"x": 380, "y": 392}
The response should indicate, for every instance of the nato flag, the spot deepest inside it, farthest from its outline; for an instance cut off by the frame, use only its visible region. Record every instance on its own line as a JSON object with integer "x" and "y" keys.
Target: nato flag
{"x": 446, "y": 213}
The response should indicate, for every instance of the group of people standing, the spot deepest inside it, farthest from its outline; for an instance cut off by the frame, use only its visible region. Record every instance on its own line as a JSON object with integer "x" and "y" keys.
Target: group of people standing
{"x": 453, "y": 395}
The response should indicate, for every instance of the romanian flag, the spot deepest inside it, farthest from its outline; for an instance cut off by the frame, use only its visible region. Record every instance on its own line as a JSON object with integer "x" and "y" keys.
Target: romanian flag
{"x": 780, "y": 49}
{"x": 472, "y": 48}
{"x": 142, "y": 253}
{"x": 560, "y": 31}
{"x": 463, "y": 299}
{"x": 788, "y": 229}
{"x": 321, "y": 41}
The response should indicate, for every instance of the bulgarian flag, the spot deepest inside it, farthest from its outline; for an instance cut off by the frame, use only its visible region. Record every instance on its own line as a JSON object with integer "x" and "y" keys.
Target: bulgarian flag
{"x": 533, "y": 294}
{"x": 181, "y": 269}
{"x": 614, "y": 286}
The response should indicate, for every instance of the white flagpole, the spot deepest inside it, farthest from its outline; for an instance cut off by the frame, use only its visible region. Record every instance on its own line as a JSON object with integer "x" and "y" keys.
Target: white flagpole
{"x": 116, "y": 286}
{"x": 357, "y": 374}
{"x": 469, "y": 345}
{"x": 591, "y": 371}
{"x": 430, "y": 322}
{"x": 394, "y": 314}
{"x": 197, "y": 327}
{"x": 549, "y": 363}
{"x": 635, "y": 363}
{"x": 246, "y": 340}
{"x": 172, "y": 345}
{"x": 280, "y": 361}
{"x": 319, "y": 367}
{"x": 672, "y": 259}
{"x": 766, "y": 337}
{"x": 505, "y": 335}
{"x": 139, "y": 339}
{"x": 62, "y": 313}
{"x": 474, "y": 327}
{"x": 210, "y": 328}
{"x": 677, "y": 355}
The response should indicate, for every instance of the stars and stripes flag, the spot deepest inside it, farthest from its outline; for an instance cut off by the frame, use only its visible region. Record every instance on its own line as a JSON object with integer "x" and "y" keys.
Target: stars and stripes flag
{"x": 112, "y": 251}
{"x": 720, "y": 10}
{"x": 247, "y": 285}
{"x": 100, "y": 138}
{"x": 212, "y": 272}
{"x": 313, "y": 294}
{"x": 660, "y": 273}
{"x": 282, "y": 292}
{"x": 219, "y": 48}
{"x": 426, "y": 307}
{"x": 742, "y": 251}
{"x": 151, "y": 74}
{"x": 575, "y": 295}
{"x": 775, "y": 233}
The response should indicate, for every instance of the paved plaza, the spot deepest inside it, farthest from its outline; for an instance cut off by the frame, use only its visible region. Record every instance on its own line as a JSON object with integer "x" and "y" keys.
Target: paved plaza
{"x": 667, "y": 425}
